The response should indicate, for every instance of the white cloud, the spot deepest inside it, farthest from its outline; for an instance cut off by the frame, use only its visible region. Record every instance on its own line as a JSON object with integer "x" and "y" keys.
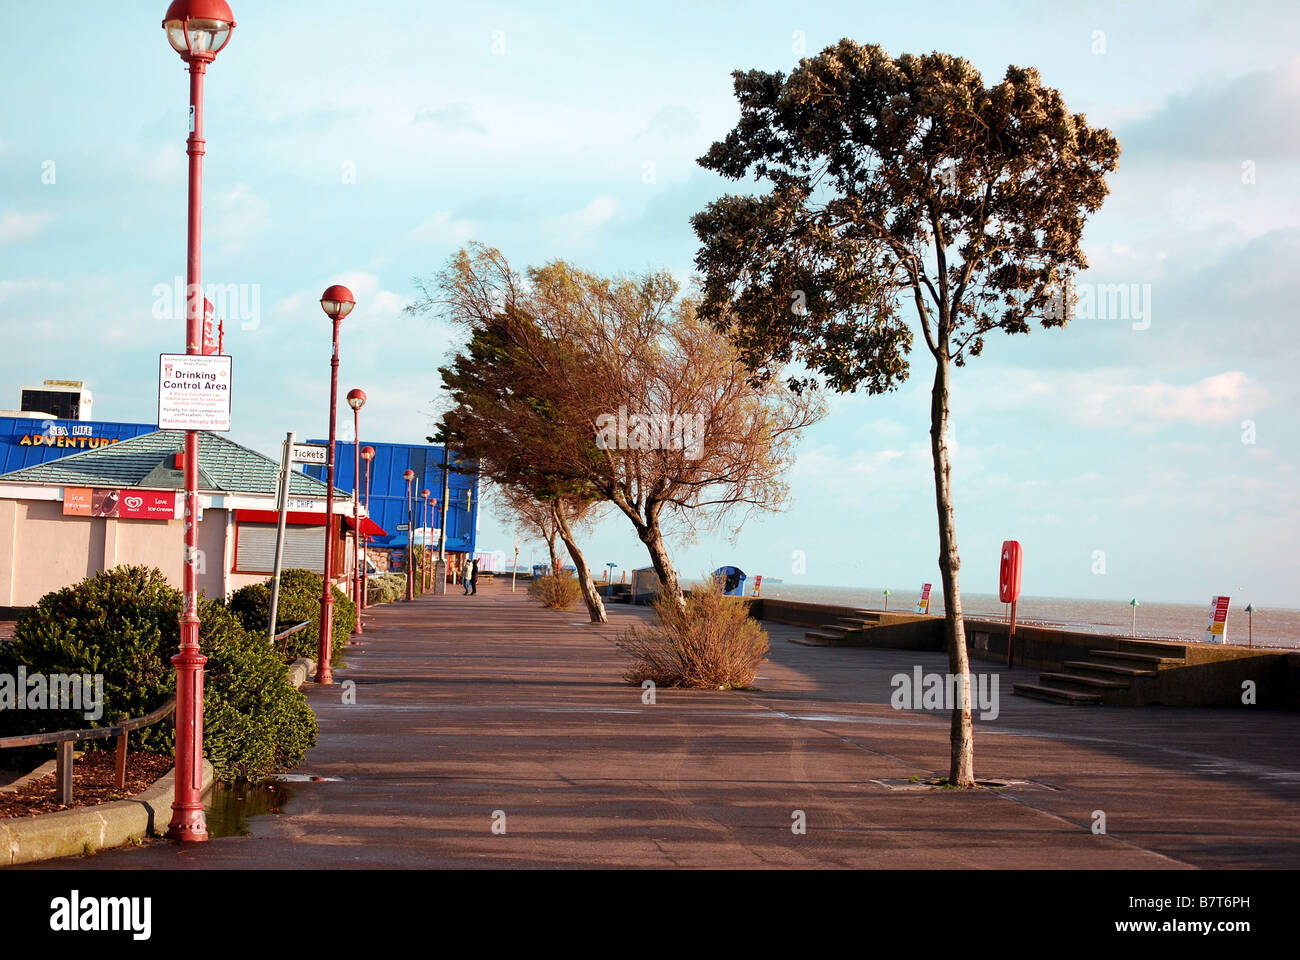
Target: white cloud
{"x": 238, "y": 215}
{"x": 581, "y": 223}
{"x": 1145, "y": 407}
{"x": 16, "y": 227}
{"x": 443, "y": 229}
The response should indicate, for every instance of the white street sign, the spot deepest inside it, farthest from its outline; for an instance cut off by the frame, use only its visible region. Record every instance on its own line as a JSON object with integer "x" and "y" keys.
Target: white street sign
{"x": 310, "y": 453}
{"x": 193, "y": 392}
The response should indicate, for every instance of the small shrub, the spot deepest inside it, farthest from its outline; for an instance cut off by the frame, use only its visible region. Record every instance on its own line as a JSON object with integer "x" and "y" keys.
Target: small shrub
{"x": 123, "y": 623}
{"x": 386, "y": 588}
{"x": 711, "y": 643}
{"x": 556, "y": 591}
{"x": 300, "y": 592}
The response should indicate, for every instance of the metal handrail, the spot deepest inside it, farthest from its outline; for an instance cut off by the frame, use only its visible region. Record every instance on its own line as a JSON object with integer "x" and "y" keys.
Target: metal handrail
{"x": 286, "y": 634}
{"x": 66, "y": 738}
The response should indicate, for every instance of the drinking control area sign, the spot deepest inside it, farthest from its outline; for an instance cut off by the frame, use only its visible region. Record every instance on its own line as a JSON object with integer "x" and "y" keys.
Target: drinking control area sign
{"x": 193, "y": 392}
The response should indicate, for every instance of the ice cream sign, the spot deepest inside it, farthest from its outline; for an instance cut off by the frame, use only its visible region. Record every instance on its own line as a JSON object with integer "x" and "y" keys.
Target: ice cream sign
{"x": 124, "y": 504}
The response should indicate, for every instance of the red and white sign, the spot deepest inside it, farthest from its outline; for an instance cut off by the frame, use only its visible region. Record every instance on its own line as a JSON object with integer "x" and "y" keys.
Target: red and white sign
{"x": 923, "y": 601}
{"x": 209, "y": 327}
{"x": 758, "y": 585}
{"x": 120, "y": 504}
{"x": 1217, "y": 631}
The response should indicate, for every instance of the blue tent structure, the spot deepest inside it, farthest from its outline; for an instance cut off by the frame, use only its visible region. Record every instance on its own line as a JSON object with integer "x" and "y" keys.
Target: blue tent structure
{"x": 388, "y": 491}
{"x": 733, "y": 580}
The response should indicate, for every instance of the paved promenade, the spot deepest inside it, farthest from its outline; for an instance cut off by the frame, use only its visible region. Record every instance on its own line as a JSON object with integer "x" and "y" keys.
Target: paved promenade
{"x": 475, "y": 711}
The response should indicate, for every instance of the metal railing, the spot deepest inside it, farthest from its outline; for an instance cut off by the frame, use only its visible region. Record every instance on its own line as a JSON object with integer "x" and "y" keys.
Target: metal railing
{"x": 66, "y": 738}
{"x": 283, "y": 636}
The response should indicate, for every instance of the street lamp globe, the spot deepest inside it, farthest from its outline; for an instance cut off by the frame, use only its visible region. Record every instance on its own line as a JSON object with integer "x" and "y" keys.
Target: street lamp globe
{"x": 356, "y": 398}
{"x": 337, "y": 302}
{"x": 367, "y": 453}
{"x": 198, "y": 29}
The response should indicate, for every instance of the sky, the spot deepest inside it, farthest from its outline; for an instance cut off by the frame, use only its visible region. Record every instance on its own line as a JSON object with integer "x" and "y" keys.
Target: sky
{"x": 1150, "y": 454}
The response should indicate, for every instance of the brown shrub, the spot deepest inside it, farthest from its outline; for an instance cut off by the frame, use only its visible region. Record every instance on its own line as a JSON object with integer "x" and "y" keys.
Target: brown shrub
{"x": 711, "y": 644}
{"x": 559, "y": 591}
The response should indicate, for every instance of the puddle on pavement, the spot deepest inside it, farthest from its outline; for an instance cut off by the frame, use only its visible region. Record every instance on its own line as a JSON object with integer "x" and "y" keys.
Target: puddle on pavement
{"x": 306, "y": 778}
{"x": 231, "y": 805}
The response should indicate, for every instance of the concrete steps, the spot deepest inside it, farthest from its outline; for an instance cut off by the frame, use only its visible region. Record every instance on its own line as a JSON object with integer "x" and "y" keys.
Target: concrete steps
{"x": 833, "y": 634}
{"x": 1056, "y": 695}
{"x": 1108, "y": 677}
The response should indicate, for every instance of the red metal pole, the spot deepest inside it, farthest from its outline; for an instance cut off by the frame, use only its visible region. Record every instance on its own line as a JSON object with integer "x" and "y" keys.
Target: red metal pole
{"x": 356, "y": 514}
{"x": 1011, "y": 636}
{"x": 365, "y": 567}
{"x": 424, "y": 572}
{"x": 188, "y": 822}
{"x": 324, "y": 675}
{"x": 410, "y": 552}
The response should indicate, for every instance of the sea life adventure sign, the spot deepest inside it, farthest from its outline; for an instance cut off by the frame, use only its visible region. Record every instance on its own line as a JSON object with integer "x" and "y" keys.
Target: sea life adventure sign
{"x": 194, "y": 392}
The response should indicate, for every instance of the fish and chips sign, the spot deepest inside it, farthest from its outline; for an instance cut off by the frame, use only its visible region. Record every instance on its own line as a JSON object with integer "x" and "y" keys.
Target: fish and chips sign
{"x": 194, "y": 392}
{"x": 1217, "y": 629}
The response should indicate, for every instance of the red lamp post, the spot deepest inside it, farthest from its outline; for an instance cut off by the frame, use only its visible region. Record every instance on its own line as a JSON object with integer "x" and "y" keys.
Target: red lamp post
{"x": 337, "y": 302}
{"x": 409, "y": 475}
{"x": 356, "y": 400}
{"x": 424, "y": 554}
{"x": 198, "y": 30}
{"x": 367, "y": 454}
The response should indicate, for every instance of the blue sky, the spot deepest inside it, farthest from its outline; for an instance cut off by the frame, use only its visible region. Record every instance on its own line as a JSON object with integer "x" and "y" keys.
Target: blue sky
{"x": 365, "y": 143}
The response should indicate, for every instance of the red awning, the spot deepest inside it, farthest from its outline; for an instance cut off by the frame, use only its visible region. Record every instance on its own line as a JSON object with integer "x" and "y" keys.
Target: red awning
{"x": 273, "y": 516}
{"x": 368, "y": 527}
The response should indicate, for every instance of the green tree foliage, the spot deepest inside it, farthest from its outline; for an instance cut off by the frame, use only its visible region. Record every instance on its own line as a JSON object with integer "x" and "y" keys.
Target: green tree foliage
{"x": 898, "y": 184}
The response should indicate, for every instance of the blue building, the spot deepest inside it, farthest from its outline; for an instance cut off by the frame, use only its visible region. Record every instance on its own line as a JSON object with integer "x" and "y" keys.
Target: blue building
{"x": 27, "y": 441}
{"x": 388, "y": 492}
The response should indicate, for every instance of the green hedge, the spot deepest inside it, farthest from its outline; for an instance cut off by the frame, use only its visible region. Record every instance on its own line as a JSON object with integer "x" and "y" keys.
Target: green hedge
{"x": 123, "y": 624}
{"x": 300, "y": 592}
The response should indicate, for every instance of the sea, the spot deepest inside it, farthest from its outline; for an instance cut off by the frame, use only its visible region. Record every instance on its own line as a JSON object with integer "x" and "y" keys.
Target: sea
{"x": 1266, "y": 626}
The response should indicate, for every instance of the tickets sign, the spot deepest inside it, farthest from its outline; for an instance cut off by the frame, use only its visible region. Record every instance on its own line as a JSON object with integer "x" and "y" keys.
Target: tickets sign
{"x": 923, "y": 601}
{"x": 1217, "y": 630}
{"x": 124, "y": 504}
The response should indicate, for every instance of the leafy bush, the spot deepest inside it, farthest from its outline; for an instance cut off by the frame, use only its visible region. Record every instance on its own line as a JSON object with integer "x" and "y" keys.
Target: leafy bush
{"x": 123, "y": 624}
{"x": 557, "y": 591}
{"x": 386, "y": 588}
{"x": 710, "y": 643}
{"x": 300, "y": 592}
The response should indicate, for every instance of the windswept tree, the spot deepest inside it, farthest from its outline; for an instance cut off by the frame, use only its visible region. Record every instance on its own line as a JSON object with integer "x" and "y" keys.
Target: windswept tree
{"x": 898, "y": 185}
{"x": 553, "y": 515}
{"x": 613, "y": 389}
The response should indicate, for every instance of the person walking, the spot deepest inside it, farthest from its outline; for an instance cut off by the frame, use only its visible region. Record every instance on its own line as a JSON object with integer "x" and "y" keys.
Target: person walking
{"x": 473, "y": 576}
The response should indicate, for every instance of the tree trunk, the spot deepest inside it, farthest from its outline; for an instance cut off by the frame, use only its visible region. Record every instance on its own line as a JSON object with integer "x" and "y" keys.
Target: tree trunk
{"x": 555, "y": 557}
{"x": 961, "y": 771}
{"x": 653, "y": 539}
{"x": 595, "y": 607}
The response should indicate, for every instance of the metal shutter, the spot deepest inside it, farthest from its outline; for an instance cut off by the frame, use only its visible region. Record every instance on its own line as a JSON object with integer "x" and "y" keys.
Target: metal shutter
{"x": 304, "y": 547}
